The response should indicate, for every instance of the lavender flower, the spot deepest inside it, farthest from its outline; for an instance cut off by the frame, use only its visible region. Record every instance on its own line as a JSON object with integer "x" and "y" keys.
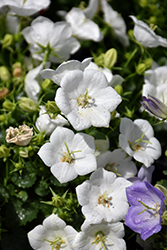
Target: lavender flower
{"x": 155, "y": 106}
{"x": 144, "y": 215}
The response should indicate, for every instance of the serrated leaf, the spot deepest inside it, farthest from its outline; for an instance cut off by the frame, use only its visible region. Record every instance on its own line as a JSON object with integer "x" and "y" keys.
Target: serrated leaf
{"x": 25, "y": 180}
{"x": 42, "y": 188}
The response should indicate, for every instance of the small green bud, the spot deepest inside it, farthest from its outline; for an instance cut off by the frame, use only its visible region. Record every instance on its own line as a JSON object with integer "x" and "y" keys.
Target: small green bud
{"x": 110, "y": 58}
{"x": 143, "y": 3}
{"x": 7, "y": 41}
{"x": 148, "y": 62}
{"x": 4, "y": 74}
{"x": 153, "y": 20}
{"x": 8, "y": 105}
{"x": 113, "y": 114}
{"x": 129, "y": 113}
{"x": 2, "y": 118}
{"x": 99, "y": 60}
{"x": 47, "y": 83}
{"x": 164, "y": 218}
{"x": 23, "y": 152}
{"x": 140, "y": 69}
{"x": 51, "y": 107}
{"x": 4, "y": 151}
{"x": 27, "y": 104}
{"x": 119, "y": 89}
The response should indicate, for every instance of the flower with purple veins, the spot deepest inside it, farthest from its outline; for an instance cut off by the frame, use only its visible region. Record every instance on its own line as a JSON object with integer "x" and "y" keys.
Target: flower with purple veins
{"x": 154, "y": 106}
{"x": 147, "y": 204}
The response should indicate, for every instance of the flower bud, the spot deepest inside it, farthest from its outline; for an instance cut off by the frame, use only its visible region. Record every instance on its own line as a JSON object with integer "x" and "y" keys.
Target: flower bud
{"x": 113, "y": 114}
{"x": 99, "y": 60}
{"x": 2, "y": 118}
{"x": 20, "y": 136}
{"x": 47, "y": 83}
{"x": 4, "y": 151}
{"x": 51, "y": 107}
{"x": 8, "y": 105}
{"x": 23, "y": 152}
{"x": 164, "y": 218}
{"x": 153, "y": 20}
{"x": 140, "y": 69}
{"x": 143, "y": 3}
{"x": 4, "y": 74}
{"x": 119, "y": 89}
{"x": 7, "y": 41}
{"x": 148, "y": 62}
{"x": 17, "y": 70}
{"x": 155, "y": 106}
{"x": 110, "y": 58}
{"x": 27, "y": 104}
{"x": 57, "y": 201}
{"x": 3, "y": 92}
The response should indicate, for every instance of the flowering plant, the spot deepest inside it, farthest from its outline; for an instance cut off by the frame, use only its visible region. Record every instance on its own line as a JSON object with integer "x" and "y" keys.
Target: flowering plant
{"x": 83, "y": 95}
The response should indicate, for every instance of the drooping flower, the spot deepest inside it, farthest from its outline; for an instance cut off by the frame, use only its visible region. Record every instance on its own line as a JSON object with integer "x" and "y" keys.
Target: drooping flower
{"x": 116, "y": 22}
{"x": 100, "y": 236}
{"x": 118, "y": 163}
{"x": 46, "y": 123}
{"x": 53, "y": 234}
{"x": 144, "y": 174}
{"x": 155, "y": 107}
{"x": 20, "y": 136}
{"x": 83, "y": 27}
{"x": 32, "y": 87}
{"x": 144, "y": 215}
{"x": 27, "y": 7}
{"x": 62, "y": 69}
{"x": 47, "y": 37}
{"x": 137, "y": 139}
{"x": 69, "y": 154}
{"x": 103, "y": 197}
{"x": 146, "y": 36}
{"x": 86, "y": 99}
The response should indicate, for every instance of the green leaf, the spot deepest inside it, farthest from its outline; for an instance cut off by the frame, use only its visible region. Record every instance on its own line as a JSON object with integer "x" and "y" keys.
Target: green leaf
{"x": 22, "y": 195}
{"x": 163, "y": 183}
{"x": 42, "y": 188}
{"x": 25, "y": 180}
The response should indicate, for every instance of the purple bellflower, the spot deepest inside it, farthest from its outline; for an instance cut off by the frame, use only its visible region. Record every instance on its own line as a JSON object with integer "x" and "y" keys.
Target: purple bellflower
{"x": 155, "y": 107}
{"x": 147, "y": 205}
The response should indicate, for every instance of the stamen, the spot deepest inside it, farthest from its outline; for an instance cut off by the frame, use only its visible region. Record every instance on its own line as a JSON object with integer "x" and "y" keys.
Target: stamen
{"x": 104, "y": 200}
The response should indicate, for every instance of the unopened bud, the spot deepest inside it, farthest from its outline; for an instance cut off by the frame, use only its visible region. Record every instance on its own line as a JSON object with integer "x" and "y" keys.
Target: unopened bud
{"x": 140, "y": 69}
{"x": 110, "y": 58}
{"x": 17, "y": 70}
{"x": 23, "y": 152}
{"x": 2, "y": 118}
{"x": 119, "y": 89}
{"x": 51, "y": 107}
{"x": 143, "y": 3}
{"x": 27, "y": 104}
{"x": 153, "y": 20}
{"x": 4, "y": 151}
{"x": 148, "y": 62}
{"x": 57, "y": 201}
{"x": 113, "y": 114}
{"x": 99, "y": 60}
{"x": 7, "y": 41}
{"x": 47, "y": 83}
{"x": 8, "y": 105}
{"x": 4, "y": 74}
{"x": 3, "y": 92}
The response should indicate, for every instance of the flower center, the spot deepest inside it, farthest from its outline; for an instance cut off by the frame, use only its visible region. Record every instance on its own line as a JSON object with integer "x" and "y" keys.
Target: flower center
{"x": 83, "y": 100}
{"x": 112, "y": 168}
{"x": 135, "y": 146}
{"x": 100, "y": 238}
{"x": 69, "y": 156}
{"x": 56, "y": 244}
{"x": 104, "y": 200}
{"x": 156, "y": 208}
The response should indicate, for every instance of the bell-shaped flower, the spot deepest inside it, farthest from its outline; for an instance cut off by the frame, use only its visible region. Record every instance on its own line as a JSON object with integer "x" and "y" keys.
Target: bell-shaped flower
{"x": 92, "y": 8}
{"x": 86, "y": 99}
{"x": 27, "y": 7}
{"x": 116, "y": 22}
{"x": 155, "y": 107}
{"x": 69, "y": 154}
{"x": 52, "y": 40}
{"x": 46, "y": 123}
{"x": 118, "y": 163}
{"x": 101, "y": 146}
{"x": 83, "y": 27}
{"x": 100, "y": 236}
{"x": 146, "y": 36}
{"x": 62, "y": 69}
{"x": 103, "y": 197}
{"x": 137, "y": 139}
{"x": 52, "y": 234}
{"x": 147, "y": 204}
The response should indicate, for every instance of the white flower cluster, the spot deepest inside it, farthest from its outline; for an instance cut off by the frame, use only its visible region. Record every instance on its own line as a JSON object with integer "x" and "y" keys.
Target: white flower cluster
{"x": 85, "y": 97}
